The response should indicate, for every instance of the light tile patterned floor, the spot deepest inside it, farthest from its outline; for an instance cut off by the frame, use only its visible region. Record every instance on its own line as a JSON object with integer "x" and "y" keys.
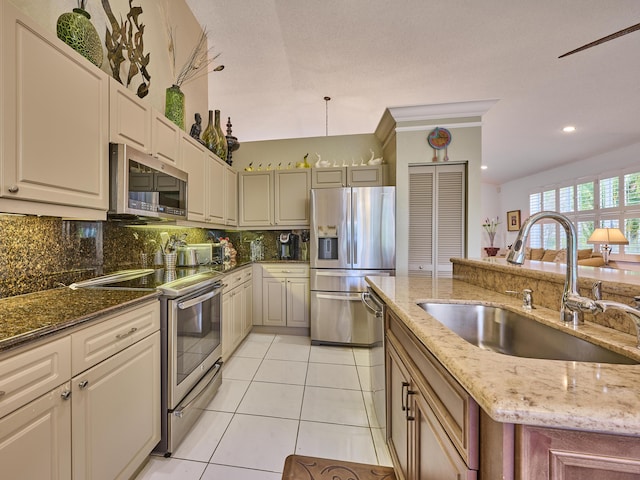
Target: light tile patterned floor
{"x": 279, "y": 396}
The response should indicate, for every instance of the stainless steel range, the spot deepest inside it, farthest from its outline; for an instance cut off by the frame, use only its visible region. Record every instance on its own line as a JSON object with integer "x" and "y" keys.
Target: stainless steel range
{"x": 190, "y": 333}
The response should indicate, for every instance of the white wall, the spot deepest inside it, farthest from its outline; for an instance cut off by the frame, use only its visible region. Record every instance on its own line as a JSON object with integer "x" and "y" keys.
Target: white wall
{"x": 490, "y": 201}
{"x": 514, "y": 195}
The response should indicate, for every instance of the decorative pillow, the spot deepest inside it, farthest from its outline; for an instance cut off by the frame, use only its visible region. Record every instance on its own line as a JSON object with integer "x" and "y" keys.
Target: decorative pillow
{"x": 561, "y": 256}
{"x": 592, "y": 262}
{"x": 549, "y": 255}
{"x": 585, "y": 253}
{"x": 537, "y": 253}
{"x": 527, "y": 253}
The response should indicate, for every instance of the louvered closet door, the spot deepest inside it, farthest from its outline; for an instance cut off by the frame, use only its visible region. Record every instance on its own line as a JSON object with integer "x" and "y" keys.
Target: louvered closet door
{"x": 437, "y": 200}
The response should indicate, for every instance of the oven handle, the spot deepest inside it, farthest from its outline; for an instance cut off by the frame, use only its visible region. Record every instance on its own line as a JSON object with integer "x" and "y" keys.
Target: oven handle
{"x": 200, "y": 299}
{"x": 214, "y": 373}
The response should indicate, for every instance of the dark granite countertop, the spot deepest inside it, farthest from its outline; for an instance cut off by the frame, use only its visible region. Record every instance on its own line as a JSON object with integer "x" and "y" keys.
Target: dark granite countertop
{"x": 26, "y": 318}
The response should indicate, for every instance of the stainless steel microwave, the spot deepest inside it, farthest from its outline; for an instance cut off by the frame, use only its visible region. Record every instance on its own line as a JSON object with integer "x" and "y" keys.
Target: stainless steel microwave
{"x": 141, "y": 186}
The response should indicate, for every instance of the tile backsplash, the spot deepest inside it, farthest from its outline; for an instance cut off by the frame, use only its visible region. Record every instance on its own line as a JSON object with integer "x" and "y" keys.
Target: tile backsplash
{"x": 39, "y": 253}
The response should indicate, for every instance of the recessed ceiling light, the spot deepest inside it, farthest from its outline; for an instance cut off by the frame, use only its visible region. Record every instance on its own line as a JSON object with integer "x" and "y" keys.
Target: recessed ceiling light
{"x": 569, "y": 129}
{"x": 483, "y": 167}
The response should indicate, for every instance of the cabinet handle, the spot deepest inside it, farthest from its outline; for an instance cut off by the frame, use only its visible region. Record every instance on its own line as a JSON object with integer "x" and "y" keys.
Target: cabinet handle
{"x": 65, "y": 394}
{"x": 13, "y": 189}
{"x": 83, "y": 384}
{"x": 408, "y": 417}
{"x": 130, "y": 332}
{"x": 404, "y": 385}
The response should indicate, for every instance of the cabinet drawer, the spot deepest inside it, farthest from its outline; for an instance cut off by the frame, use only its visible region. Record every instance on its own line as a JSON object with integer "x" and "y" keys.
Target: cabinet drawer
{"x": 113, "y": 334}
{"x": 285, "y": 270}
{"x": 238, "y": 277}
{"x": 33, "y": 372}
{"x": 456, "y": 410}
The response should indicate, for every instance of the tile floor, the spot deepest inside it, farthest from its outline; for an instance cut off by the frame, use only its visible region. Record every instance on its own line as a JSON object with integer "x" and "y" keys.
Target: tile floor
{"x": 280, "y": 395}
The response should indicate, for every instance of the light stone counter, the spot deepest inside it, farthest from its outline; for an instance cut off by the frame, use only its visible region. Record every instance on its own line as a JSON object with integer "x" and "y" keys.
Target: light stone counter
{"x": 574, "y": 395}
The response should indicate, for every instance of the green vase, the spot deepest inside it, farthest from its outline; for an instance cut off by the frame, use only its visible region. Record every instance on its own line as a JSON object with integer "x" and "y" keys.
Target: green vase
{"x": 76, "y": 30}
{"x": 221, "y": 141}
{"x": 209, "y": 136}
{"x": 174, "y": 105}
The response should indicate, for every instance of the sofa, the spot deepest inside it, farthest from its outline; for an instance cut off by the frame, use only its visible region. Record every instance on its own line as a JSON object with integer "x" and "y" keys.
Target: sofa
{"x": 586, "y": 256}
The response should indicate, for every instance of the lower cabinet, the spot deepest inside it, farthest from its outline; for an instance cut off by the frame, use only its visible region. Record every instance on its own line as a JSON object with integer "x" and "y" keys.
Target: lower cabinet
{"x": 285, "y": 301}
{"x": 432, "y": 423}
{"x": 100, "y": 424}
{"x": 115, "y": 408}
{"x": 237, "y": 308}
{"x": 35, "y": 440}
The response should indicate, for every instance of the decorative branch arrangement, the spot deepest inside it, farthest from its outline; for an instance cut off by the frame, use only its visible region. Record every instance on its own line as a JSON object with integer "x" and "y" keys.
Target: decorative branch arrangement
{"x": 198, "y": 61}
{"x": 124, "y": 43}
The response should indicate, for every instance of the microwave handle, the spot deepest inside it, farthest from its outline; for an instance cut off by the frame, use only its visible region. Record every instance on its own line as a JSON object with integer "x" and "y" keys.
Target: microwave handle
{"x": 195, "y": 301}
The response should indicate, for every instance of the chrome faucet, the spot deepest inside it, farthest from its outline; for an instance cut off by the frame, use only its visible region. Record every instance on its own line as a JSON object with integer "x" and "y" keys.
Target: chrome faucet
{"x": 602, "y": 306}
{"x": 572, "y": 304}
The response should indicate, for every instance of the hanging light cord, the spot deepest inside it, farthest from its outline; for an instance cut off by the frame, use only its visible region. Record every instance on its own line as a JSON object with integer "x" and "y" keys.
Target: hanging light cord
{"x": 326, "y": 116}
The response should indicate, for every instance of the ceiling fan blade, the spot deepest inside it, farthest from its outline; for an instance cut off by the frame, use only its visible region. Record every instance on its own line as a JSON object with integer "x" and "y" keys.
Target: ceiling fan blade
{"x": 633, "y": 28}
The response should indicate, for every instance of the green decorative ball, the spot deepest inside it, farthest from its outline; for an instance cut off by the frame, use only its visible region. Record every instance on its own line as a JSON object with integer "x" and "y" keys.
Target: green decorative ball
{"x": 76, "y": 30}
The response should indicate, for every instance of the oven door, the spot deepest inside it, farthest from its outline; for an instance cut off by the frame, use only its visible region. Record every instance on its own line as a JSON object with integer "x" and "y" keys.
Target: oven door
{"x": 194, "y": 331}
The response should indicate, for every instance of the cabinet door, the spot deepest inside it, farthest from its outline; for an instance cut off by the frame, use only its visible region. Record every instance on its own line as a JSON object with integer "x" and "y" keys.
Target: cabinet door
{"x": 247, "y": 317}
{"x": 297, "y": 302}
{"x": 35, "y": 440}
{"x": 256, "y": 199}
{"x": 165, "y": 139}
{"x": 55, "y": 108}
{"x": 116, "y": 412}
{"x": 329, "y": 177}
{"x": 231, "y": 195}
{"x": 367, "y": 176}
{"x": 193, "y": 158}
{"x": 227, "y": 325}
{"x": 292, "y": 191}
{"x": 435, "y": 456}
{"x": 129, "y": 117}
{"x": 397, "y": 428}
{"x": 215, "y": 190}
{"x": 274, "y": 306}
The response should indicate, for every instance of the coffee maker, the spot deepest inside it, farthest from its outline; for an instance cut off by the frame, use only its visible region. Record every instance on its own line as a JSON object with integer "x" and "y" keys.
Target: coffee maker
{"x": 289, "y": 243}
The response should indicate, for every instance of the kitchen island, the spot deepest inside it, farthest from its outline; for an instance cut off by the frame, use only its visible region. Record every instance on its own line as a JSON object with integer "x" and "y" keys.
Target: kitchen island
{"x": 522, "y": 402}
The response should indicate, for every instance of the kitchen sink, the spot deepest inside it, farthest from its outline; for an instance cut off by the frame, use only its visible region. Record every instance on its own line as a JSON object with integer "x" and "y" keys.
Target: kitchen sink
{"x": 503, "y": 331}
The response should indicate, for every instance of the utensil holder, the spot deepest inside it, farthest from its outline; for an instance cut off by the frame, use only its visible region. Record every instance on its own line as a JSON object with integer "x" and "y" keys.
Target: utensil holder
{"x": 170, "y": 261}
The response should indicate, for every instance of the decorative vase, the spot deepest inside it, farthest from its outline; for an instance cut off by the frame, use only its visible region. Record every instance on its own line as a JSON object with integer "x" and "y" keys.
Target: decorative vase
{"x": 174, "y": 105}
{"x": 76, "y": 30}
{"x": 221, "y": 143}
{"x": 491, "y": 251}
{"x": 209, "y": 136}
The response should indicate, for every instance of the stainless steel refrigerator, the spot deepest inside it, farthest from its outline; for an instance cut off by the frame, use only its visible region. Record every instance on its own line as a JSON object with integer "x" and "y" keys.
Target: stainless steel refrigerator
{"x": 352, "y": 235}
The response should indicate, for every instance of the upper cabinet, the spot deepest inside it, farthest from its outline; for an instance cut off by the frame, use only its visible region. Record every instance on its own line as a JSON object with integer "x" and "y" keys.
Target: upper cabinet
{"x": 277, "y": 198}
{"x": 133, "y": 122}
{"x": 208, "y": 201}
{"x": 360, "y": 176}
{"x": 231, "y": 194}
{"x": 54, "y": 125}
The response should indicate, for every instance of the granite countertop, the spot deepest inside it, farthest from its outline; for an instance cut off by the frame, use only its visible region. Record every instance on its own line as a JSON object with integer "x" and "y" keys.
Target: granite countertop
{"x": 30, "y": 317}
{"x": 553, "y": 393}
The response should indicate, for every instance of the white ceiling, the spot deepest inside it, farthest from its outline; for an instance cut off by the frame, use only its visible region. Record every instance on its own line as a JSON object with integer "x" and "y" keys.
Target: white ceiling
{"x": 282, "y": 57}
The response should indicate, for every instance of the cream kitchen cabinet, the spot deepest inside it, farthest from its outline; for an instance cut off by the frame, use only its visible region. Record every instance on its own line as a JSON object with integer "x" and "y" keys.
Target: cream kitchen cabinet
{"x": 277, "y": 198}
{"x": 433, "y": 424}
{"x": 54, "y": 155}
{"x": 116, "y": 412}
{"x": 134, "y": 122}
{"x": 35, "y": 440}
{"x": 231, "y": 197}
{"x": 100, "y": 423}
{"x": 285, "y": 295}
{"x": 358, "y": 176}
{"x": 237, "y": 301}
{"x": 206, "y": 201}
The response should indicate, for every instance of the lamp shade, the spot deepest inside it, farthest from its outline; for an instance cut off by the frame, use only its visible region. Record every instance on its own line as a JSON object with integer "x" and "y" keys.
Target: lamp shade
{"x": 608, "y": 236}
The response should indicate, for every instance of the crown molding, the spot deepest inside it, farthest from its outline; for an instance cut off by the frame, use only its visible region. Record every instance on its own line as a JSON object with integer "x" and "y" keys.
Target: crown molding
{"x": 442, "y": 110}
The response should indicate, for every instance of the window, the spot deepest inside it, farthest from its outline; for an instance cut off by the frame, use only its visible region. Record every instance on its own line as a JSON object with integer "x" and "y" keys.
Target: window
{"x": 608, "y": 201}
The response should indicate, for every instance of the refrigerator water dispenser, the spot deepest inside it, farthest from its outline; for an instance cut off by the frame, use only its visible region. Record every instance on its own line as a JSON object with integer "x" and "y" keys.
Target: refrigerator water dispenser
{"x": 328, "y": 248}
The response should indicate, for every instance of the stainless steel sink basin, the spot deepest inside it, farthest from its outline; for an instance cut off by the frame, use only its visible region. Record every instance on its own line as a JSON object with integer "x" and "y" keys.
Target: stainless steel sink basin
{"x": 507, "y": 332}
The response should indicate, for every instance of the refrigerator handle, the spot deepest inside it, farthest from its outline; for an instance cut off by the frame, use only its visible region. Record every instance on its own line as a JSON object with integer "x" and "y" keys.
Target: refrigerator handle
{"x": 354, "y": 226}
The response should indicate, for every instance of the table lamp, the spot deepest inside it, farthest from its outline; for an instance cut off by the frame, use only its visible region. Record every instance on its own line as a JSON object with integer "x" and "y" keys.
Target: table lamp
{"x": 606, "y": 237}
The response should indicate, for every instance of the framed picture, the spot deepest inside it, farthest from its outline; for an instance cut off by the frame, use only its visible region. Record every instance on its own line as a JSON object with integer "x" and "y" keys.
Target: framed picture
{"x": 513, "y": 221}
